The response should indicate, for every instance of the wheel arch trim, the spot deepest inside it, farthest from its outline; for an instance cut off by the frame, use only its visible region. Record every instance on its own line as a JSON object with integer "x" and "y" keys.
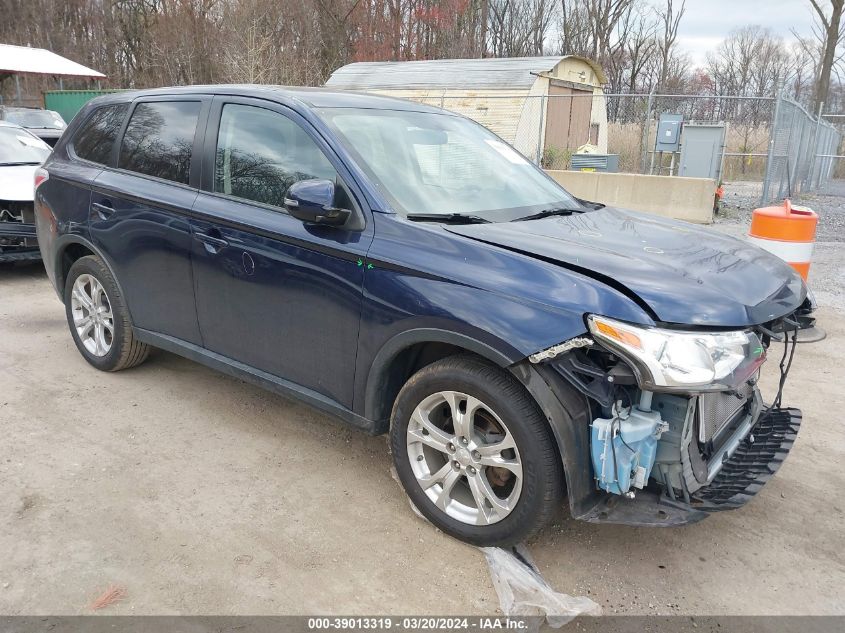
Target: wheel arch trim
{"x": 381, "y": 364}
{"x": 570, "y": 426}
{"x": 62, "y": 244}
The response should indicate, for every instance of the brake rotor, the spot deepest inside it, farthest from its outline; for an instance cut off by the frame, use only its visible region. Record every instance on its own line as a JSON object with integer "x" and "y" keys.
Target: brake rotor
{"x": 492, "y": 432}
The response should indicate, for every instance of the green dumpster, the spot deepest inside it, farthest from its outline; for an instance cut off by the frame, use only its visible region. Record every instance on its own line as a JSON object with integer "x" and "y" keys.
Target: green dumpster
{"x": 69, "y": 102}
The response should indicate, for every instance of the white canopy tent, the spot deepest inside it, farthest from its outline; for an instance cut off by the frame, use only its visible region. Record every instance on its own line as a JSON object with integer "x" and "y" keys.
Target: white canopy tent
{"x": 24, "y": 60}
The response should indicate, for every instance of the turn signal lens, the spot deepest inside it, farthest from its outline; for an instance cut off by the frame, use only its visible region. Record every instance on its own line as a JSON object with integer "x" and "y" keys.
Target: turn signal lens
{"x": 628, "y": 338}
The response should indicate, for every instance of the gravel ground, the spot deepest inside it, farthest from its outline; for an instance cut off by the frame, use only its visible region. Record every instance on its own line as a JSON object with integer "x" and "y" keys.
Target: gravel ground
{"x": 827, "y": 274}
{"x": 200, "y": 494}
{"x": 741, "y": 198}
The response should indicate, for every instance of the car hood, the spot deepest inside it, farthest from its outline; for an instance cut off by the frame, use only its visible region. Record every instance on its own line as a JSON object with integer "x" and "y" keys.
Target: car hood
{"x": 17, "y": 182}
{"x": 46, "y": 132}
{"x": 683, "y": 274}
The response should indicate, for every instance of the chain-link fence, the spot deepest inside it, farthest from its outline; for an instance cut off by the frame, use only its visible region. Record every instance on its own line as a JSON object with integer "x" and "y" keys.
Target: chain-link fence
{"x": 802, "y": 152}
{"x": 770, "y": 147}
{"x": 829, "y": 169}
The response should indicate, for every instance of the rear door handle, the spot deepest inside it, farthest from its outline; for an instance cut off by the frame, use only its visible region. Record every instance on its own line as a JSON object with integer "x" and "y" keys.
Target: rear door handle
{"x": 212, "y": 244}
{"x": 104, "y": 210}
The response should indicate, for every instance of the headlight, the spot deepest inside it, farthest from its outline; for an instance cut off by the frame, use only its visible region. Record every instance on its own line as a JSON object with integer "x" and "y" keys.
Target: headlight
{"x": 682, "y": 360}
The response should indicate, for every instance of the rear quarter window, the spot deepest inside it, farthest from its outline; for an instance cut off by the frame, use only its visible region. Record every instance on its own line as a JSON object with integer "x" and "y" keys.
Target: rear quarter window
{"x": 96, "y": 138}
{"x": 159, "y": 139}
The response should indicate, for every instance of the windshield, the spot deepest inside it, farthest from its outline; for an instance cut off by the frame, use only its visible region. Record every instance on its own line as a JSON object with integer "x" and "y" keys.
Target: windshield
{"x": 43, "y": 119}
{"x": 431, "y": 163}
{"x": 18, "y": 146}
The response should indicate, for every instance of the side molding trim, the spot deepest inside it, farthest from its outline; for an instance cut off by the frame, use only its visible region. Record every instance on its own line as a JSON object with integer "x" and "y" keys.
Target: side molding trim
{"x": 257, "y": 377}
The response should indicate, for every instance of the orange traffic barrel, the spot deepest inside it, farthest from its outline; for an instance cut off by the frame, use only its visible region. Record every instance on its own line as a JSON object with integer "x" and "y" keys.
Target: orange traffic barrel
{"x": 786, "y": 231}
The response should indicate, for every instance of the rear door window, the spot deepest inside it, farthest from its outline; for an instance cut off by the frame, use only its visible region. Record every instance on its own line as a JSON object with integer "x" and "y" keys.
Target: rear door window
{"x": 95, "y": 139}
{"x": 159, "y": 139}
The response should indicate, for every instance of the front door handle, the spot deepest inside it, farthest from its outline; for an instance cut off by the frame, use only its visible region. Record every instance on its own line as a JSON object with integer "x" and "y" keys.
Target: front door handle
{"x": 104, "y": 210}
{"x": 212, "y": 244}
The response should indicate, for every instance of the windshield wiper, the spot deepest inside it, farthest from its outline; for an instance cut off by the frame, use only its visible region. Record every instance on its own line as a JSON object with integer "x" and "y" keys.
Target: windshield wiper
{"x": 548, "y": 213}
{"x": 19, "y": 163}
{"x": 449, "y": 218}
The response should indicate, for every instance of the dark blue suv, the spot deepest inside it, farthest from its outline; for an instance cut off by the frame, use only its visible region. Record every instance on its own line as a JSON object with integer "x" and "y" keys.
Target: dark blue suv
{"x": 403, "y": 269}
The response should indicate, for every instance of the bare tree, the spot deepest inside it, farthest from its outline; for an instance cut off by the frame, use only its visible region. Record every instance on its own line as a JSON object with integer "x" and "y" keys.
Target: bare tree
{"x": 640, "y": 46}
{"x": 604, "y": 16}
{"x": 485, "y": 19}
{"x": 619, "y": 34}
{"x": 142, "y": 43}
{"x": 831, "y": 28}
{"x": 575, "y": 34}
{"x": 750, "y": 62}
{"x": 518, "y": 28}
{"x": 671, "y": 21}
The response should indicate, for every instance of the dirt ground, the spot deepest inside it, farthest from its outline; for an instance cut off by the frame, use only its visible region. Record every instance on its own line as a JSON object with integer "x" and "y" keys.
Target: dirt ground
{"x": 203, "y": 495}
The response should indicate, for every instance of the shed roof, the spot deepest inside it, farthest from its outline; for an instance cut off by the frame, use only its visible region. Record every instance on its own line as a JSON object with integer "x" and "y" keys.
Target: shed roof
{"x": 39, "y": 61}
{"x": 507, "y": 72}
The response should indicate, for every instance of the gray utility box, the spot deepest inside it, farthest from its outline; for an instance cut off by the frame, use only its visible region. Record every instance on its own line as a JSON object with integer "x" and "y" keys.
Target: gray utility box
{"x": 594, "y": 162}
{"x": 669, "y": 133}
{"x": 703, "y": 150}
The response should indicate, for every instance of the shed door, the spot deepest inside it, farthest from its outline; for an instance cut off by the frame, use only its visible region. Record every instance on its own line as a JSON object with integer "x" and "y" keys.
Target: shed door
{"x": 568, "y": 117}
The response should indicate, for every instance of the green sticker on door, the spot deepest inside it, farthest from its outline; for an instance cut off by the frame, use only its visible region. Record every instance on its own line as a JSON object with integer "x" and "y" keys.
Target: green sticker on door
{"x": 360, "y": 262}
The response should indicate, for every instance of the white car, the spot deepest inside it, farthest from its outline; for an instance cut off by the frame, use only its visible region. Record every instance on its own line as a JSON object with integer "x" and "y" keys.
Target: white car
{"x": 45, "y": 124}
{"x": 21, "y": 153}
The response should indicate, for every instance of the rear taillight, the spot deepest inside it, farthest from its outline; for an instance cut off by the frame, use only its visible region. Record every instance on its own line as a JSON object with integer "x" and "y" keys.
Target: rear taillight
{"x": 41, "y": 176}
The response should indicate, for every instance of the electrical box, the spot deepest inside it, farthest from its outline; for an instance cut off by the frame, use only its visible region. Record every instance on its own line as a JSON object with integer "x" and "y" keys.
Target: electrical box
{"x": 669, "y": 133}
{"x": 703, "y": 150}
{"x": 594, "y": 162}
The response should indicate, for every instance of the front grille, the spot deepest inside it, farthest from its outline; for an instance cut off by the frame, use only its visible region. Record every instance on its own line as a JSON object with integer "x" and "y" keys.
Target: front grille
{"x": 717, "y": 410}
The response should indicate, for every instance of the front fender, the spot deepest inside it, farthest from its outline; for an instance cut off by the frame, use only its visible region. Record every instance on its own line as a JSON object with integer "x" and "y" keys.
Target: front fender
{"x": 425, "y": 284}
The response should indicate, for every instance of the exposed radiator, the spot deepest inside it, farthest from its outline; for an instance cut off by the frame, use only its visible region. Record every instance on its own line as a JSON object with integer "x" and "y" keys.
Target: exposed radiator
{"x": 716, "y": 410}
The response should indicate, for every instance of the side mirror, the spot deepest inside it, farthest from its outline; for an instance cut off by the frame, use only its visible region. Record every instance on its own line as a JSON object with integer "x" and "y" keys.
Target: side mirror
{"x": 312, "y": 201}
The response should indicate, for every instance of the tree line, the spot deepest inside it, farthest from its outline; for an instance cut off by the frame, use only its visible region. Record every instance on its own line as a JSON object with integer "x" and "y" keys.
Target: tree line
{"x": 143, "y": 43}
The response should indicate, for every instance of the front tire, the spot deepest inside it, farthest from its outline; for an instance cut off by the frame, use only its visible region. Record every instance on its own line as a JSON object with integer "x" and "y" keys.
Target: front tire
{"x": 474, "y": 452}
{"x": 98, "y": 318}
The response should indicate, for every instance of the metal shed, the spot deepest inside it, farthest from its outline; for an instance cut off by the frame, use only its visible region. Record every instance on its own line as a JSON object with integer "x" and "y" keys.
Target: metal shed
{"x": 25, "y": 60}
{"x": 537, "y": 104}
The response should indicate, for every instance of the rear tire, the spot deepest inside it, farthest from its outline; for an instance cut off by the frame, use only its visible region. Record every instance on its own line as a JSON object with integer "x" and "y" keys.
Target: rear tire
{"x": 495, "y": 460}
{"x": 98, "y": 318}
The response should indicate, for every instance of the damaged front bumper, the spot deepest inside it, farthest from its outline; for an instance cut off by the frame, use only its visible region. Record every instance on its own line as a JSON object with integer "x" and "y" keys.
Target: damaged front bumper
{"x": 18, "y": 240}
{"x": 664, "y": 457}
{"x": 757, "y": 456}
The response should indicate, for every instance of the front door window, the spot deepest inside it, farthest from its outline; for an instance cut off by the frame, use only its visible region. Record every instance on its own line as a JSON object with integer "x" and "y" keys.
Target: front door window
{"x": 261, "y": 153}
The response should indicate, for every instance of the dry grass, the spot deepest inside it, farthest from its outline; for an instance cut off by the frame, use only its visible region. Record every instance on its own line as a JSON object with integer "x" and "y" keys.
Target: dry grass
{"x": 625, "y": 139}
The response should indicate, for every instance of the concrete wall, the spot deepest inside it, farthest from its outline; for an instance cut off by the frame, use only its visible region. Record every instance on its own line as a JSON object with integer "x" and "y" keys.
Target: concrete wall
{"x": 689, "y": 199}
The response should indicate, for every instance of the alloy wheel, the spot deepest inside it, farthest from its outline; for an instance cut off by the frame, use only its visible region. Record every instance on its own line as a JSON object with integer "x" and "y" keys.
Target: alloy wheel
{"x": 92, "y": 315}
{"x": 464, "y": 458}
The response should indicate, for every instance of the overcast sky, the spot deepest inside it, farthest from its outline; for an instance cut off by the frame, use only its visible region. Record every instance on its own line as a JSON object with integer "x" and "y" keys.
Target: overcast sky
{"x": 706, "y": 22}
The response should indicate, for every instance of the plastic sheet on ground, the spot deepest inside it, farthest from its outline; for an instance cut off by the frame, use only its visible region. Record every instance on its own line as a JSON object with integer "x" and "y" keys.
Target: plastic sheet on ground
{"x": 523, "y": 592}
{"x": 521, "y": 589}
